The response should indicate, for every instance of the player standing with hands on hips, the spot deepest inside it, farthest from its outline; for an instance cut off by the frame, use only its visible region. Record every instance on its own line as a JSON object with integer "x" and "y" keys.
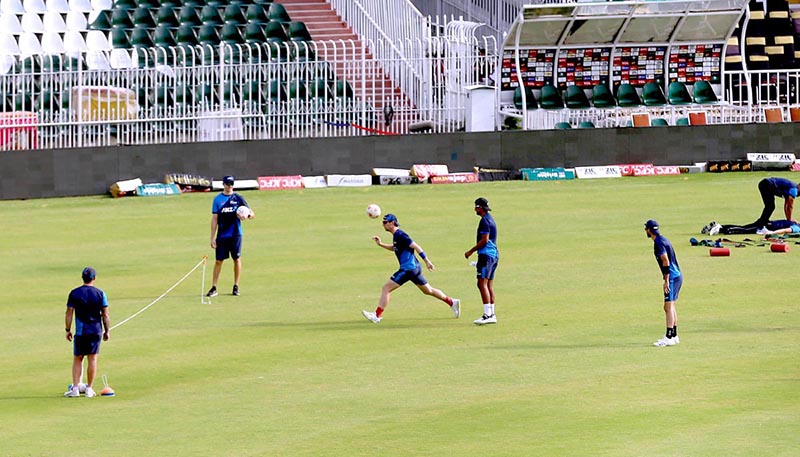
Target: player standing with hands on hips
{"x": 405, "y": 249}
{"x": 89, "y": 305}
{"x": 673, "y": 279}
{"x": 488, "y": 257}
{"x": 226, "y": 233}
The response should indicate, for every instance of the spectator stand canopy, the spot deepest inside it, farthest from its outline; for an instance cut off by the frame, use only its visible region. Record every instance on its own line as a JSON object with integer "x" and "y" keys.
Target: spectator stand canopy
{"x": 618, "y": 42}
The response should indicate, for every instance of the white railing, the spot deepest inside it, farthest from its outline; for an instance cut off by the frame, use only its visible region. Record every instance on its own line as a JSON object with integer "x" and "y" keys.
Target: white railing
{"x": 496, "y": 15}
{"x": 763, "y": 87}
{"x": 173, "y": 95}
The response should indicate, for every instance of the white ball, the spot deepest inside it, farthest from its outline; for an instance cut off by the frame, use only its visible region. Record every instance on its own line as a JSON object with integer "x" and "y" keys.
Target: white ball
{"x": 243, "y": 212}
{"x": 373, "y": 211}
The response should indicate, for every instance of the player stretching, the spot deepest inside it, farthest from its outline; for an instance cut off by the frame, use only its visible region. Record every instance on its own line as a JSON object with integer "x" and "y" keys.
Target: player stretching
{"x": 673, "y": 279}
{"x": 405, "y": 248}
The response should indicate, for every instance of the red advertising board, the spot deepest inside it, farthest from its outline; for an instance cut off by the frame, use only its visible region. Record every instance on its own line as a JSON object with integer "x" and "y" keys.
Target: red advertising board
{"x": 455, "y": 178}
{"x": 280, "y": 182}
{"x": 628, "y": 169}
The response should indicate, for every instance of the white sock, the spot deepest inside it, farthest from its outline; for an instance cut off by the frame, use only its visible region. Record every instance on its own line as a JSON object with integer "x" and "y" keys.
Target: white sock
{"x": 492, "y": 308}
{"x": 487, "y": 309}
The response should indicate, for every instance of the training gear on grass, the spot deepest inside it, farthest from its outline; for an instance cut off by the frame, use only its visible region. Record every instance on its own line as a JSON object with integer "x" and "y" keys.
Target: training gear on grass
{"x": 719, "y": 252}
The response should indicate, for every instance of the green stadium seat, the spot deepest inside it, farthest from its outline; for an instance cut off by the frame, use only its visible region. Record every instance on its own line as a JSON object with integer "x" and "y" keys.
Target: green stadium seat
{"x": 162, "y": 36}
{"x": 276, "y": 92}
{"x": 602, "y": 97}
{"x": 120, "y": 39}
{"x": 682, "y": 121}
{"x": 150, "y": 4}
{"x": 253, "y": 92}
{"x": 320, "y": 89}
{"x": 586, "y": 125}
{"x": 162, "y": 95}
{"x": 121, "y": 19}
{"x": 256, "y": 13}
{"x": 576, "y": 98}
{"x": 652, "y": 95}
{"x": 275, "y": 32}
{"x": 102, "y": 21}
{"x": 207, "y": 34}
{"x": 299, "y": 32}
{"x": 206, "y": 94}
{"x": 658, "y": 122}
{"x": 233, "y": 15}
{"x": 188, "y": 15}
{"x": 627, "y": 97}
{"x": 278, "y": 13}
{"x": 343, "y": 90}
{"x": 530, "y": 99}
{"x": 186, "y": 35}
{"x": 166, "y": 16}
{"x": 143, "y": 18}
{"x": 125, "y": 4}
{"x": 140, "y": 38}
{"x": 550, "y": 98}
{"x": 563, "y": 126}
{"x": 704, "y": 93}
{"x": 210, "y": 15}
{"x": 254, "y": 33}
{"x": 296, "y": 90}
{"x": 677, "y": 94}
{"x": 230, "y": 34}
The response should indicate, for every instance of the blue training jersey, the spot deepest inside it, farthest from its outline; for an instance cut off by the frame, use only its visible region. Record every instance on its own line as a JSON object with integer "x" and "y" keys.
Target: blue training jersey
{"x": 88, "y": 303}
{"x": 487, "y": 225}
{"x": 661, "y": 246}
{"x": 783, "y": 224}
{"x": 401, "y": 243}
{"x": 225, "y": 206}
{"x": 784, "y": 188}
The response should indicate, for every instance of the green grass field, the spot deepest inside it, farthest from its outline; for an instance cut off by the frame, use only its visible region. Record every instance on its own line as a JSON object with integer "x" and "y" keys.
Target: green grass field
{"x": 291, "y": 368}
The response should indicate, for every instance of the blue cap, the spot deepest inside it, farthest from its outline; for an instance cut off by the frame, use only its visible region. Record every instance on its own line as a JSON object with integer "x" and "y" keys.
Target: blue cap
{"x": 228, "y": 180}
{"x": 390, "y": 218}
{"x": 652, "y": 225}
{"x": 88, "y": 274}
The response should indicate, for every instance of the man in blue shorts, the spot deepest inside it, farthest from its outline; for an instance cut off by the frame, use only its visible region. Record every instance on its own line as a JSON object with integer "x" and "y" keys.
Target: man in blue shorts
{"x": 226, "y": 233}
{"x": 769, "y": 188}
{"x": 89, "y": 305}
{"x": 488, "y": 257}
{"x": 410, "y": 270}
{"x": 673, "y": 279}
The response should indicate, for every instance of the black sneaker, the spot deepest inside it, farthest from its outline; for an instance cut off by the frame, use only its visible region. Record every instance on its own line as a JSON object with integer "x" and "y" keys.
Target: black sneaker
{"x": 212, "y": 292}
{"x": 236, "y": 290}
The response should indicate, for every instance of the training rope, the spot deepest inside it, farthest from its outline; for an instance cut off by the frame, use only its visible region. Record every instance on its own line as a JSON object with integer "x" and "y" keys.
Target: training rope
{"x": 202, "y": 262}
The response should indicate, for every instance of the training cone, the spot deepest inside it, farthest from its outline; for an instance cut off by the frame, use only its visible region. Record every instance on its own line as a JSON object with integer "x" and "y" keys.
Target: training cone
{"x": 719, "y": 252}
{"x": 107, "y": 391}
{"x": 779, "y": 247}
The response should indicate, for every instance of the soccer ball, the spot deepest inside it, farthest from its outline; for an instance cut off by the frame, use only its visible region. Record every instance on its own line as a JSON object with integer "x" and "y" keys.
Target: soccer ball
{"x": 244, "y": 212}
{"x": 373, "y": 211}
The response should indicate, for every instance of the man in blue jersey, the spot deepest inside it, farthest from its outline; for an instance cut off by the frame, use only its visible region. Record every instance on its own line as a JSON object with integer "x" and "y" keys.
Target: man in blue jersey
{"x": 673, "y": 279}
{"x": 488, "y": 257}
{"x": 776, "y": 187}
{"x": 226, "y": 233}
{"x": 410, "y": 270}
{"x": 89, "y": 305}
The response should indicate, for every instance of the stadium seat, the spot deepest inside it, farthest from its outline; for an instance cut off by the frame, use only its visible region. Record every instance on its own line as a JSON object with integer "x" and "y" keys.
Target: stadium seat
{"x": 296, "y": 90}
{"x": 162, "y": 95}
{"x": 230, "y": 34}
{"x": 12, "y": 6}
{"x": 97, "y": 40}
{"x": 586, "y": 125}
{"x": 602, "y": 97}
{"x": 233, "y": 15}
{"x": 640, "y": 119}
{"x": 343, "y": 90}
{"x": 278, "y": 13}
{"x": 151, "y": 4}
{"x": 101, "y": 22}
{"x": 186, "y": 36}
{"x": 140, "y": 38}
{"x": 794, "y": 113}
{"x": 143, "y": 18}
{"x": 563, "y": 126}
{"x": 57, "y": 6}
{"x": 125, "y": 4}
{"x": 102, "y": 5}
{"x": 162, "y": 36}
{"x": 253, "y": 92}
{"x": 299, "y": 32}
{"x": 120, "y": 39}
{"x": 530, "y": 99}
{"x": 659, "y": 122}
{"x": 52, "y": 44}
{"x": 121, "y": 19}
{"x": 80, "y": 6}
{"x": 8, "y": 44}
{"x": 76, "y": 20}
{"x": 627, "y": 97}
{"x": 256, "y": 13}
{"x": 32, "y": 23}
{"x": 704, "y": 93}
{"x": 697, "y": 118}
{"x": 652, "y": 95}
{"x": 165, "y": 16}
{"x": 54, "y": 22}
{"x": 678, "y": 94}
{"x": 773, "y": 115}
{"x": 9, "y": 23}
{"x": 254, "y": 33}
{"x": 29, "y": 44}
{"x": 320, "y": 90}
{"x": 34, "y": 6}
{"x": 682, "y": 121}
{"x": 550, "y": 98}
{"x": 276, "y": 92}
{"x": 207, "y": 34}
{"x": 275, "y": 32}
{"x": 74, "y": 42}
{"x": 210, "y": 15}
{"x": 24, "y": 102}
{"x": 575, "y": 98}
{"x": 188, "y": 16}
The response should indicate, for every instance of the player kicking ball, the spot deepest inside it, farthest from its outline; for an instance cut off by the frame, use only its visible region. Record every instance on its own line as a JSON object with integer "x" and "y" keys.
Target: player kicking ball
{"x": 410, "y": 270}
{"x": 673, "y": 279}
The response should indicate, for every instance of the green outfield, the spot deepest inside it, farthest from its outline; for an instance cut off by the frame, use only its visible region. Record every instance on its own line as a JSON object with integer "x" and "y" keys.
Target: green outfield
{"x": 291, "y": 368}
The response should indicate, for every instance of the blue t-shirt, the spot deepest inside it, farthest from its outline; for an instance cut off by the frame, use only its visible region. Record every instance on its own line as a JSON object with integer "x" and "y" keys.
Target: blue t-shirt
{"x": 783, "y": 187}
{"x": 401, "y": 243}
{"x": 88, "y": 303}
{"x": 225, "y": 206}
{"x": 487, "y": 226}
{"x": 661, "y": 246}
{"x": 783, "y": 224}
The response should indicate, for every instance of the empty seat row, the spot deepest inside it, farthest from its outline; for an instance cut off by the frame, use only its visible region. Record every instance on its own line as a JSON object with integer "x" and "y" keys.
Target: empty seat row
{"x": 188, "y": 14}
{"x": 48, "y": 22}
{"x": 44, "y": 6}
{"x": 133, "y": 4}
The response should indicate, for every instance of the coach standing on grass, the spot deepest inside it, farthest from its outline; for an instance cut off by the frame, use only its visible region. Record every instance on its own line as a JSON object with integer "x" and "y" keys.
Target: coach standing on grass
{"x": 226, "y": 233}
{"x": 769, "y": 188}
{"x": 673, "y": 279}
{"x": 89, "y": 305}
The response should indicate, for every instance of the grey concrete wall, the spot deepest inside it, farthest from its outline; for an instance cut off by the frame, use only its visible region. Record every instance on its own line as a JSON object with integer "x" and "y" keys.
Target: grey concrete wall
{"x": 57, "y": 173}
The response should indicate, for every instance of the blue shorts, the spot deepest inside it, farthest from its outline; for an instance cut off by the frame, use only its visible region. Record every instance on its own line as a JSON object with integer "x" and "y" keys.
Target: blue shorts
{"x": 486, "y": 266}
{"x": 86, "y": 344}
{"x": 674, "y": 289}
{"x": 229, "y": 247}
{"x": 403, "y": 276}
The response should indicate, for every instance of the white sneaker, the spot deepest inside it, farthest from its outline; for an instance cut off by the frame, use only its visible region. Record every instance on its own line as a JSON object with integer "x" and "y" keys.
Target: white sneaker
{"x": 73, "y": 392}
{"x": 762, "y": 231}
{"x": 483, "y": 320}
{"x": 666, "y": 342}
{"x": 675, "y": 340}
{"x": 370, "y": 316}
{"x": 456, "y": 307}
{"x": 90, "y": 392}
{"x": 715, "y": 229}
{"x": 707, "y": 227}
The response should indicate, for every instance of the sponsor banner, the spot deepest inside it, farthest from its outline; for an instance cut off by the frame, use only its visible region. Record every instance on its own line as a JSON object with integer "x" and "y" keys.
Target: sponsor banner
{"x": 721, "y": 166}
{"x": 547, "y": 174}
{"x": 240, "y": 184}
{"x": 125, "y": 188}
{"x": 390, "y": 172}
{"x": 771, "y": 161}
{"x": 629, "y": 169}
{"x": 280, "y": 182}
{"x": 189, "y": 183}
{"x": 667, "y": 170}
{"x": 455, "y": 178}
{"x": 605, "y": 171}
{"x": 399, "y": 180}
{"x": 643, "y": 170}
{"x": 425, "y": 171}
{"x": 700, "y": 168}
{"x": 314, "y": 182}
{"x": 157, "y": 190}
{"x": 348, "y": 180}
